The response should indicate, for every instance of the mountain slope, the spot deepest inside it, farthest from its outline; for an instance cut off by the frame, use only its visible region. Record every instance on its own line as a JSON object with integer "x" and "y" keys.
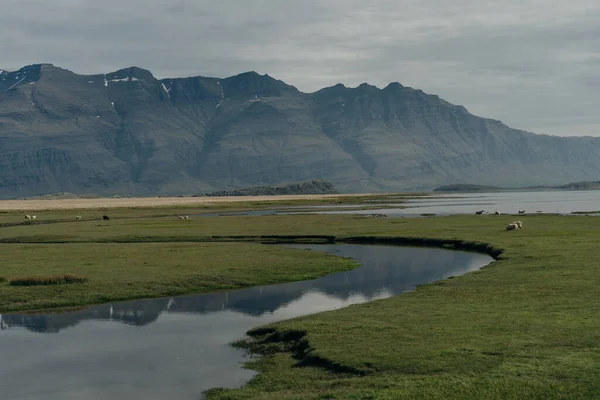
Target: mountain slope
{"x": 127, "y": 132}
{"x": 309, "y": 187}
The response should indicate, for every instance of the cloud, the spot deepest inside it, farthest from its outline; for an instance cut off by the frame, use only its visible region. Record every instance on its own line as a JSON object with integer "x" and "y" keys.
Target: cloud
{"x": 532, "y": 63}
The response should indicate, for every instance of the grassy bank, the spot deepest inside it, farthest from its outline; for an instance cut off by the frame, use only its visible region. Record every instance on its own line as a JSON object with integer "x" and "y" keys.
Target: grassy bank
{"x": 127, "y": 271}
{"x": 526, "y": 327}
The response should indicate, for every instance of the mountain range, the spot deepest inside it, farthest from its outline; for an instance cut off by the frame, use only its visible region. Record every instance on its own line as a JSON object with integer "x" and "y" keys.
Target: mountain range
{"x": 129, "y": 133}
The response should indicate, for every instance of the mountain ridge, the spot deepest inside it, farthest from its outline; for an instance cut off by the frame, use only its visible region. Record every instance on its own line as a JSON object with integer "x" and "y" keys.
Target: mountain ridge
{"x": 127, "y": 132}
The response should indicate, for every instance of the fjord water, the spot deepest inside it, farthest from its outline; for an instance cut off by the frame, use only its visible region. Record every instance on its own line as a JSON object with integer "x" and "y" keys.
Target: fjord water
{"x": 179, "y": 347}
{"x": 552, "y": 201}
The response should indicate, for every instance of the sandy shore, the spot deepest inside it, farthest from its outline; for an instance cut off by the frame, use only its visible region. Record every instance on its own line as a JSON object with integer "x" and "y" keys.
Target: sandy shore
{"x": 71, "y": 204}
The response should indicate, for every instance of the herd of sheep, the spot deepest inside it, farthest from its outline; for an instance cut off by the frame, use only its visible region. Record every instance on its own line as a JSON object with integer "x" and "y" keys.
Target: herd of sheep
{"x": 104, "y": 217}
{"x": 480, "y": 212}
{"x": 513, "y": 226}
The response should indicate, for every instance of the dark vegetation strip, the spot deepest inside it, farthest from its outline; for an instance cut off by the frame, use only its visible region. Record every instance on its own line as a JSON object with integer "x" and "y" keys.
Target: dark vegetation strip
{"x": 450, "y": 244}
{"x": 269, "y": 341}
{"x": 66, "y": 279}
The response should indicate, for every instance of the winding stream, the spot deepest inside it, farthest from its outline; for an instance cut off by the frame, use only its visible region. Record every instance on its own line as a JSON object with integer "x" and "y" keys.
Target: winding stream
{"x": 179, "y": 347}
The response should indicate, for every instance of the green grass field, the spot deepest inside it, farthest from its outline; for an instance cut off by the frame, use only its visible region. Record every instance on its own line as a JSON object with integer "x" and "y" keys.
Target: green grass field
{"x": 525, "y": 327}
{"x": 118, "y": 271}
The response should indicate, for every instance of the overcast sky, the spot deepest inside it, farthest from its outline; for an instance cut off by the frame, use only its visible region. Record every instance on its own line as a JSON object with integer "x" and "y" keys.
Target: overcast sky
{"x": 534, "y": 64}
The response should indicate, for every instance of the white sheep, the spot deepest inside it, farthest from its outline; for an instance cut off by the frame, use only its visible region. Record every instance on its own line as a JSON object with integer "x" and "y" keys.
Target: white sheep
{"x": 512, "y": 227}
{"x": 33, "y": 217}
{"x": 518, "y": 223}
{"x": 496, "y": 212}
{"x": 186, "y": 217}
{"x": 78, "y": 217}
{"x": 180, "y": 217}
{"x": 27, "y": 216}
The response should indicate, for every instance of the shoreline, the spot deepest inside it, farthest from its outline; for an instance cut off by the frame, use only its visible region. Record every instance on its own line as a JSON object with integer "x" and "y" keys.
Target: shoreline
{"x": 142, "y": 202}
{"x": 445, "y": 244}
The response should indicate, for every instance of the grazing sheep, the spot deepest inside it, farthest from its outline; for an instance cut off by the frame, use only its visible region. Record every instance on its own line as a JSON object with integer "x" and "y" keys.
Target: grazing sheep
{"x": 27, "y": 216}
{"x": 33, "y": 217}
{"x": 512, "y": 227}
{"x": 496, "y": 212}
{"x": 186, "y": 217}
{"x": 518, "y": 223}
{"x": 180, "y": 217}
{"x": 78, "y": 217}
{"x": 521, "y": 211}
{"x": 105, "y": 217}
{"x": 479, "y": 212}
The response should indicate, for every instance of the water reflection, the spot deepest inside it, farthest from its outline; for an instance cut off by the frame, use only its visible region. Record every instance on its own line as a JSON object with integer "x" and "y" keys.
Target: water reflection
{"x": 178, "y": 347}
{"x": 559, "y": 202}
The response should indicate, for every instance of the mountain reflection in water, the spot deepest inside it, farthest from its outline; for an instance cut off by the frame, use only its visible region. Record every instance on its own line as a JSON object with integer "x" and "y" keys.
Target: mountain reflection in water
{"x": 177, "y": 347}
{"x": 383, "y": 273}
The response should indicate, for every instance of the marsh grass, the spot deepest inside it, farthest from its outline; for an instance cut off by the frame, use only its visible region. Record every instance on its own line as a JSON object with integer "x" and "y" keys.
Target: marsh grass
{"x": 524, "y": 327}
{"x": 66, "y": 279}
{"x": 124, "y": 271}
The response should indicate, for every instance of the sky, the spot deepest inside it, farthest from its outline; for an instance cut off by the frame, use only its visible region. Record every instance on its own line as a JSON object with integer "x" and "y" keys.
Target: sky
{"x": 533, "y": 64}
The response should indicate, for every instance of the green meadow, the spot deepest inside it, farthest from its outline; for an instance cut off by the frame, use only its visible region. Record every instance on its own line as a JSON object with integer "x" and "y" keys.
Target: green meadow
{"x": 525, "y": 327}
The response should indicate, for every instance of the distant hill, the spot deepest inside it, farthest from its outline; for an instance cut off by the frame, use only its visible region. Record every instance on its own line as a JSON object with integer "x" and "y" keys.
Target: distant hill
{"x": 585, "y": 185}
{"x": 467, "y": 188}
{"x": 127, "y": 132}
{"x": 309, "y": 187}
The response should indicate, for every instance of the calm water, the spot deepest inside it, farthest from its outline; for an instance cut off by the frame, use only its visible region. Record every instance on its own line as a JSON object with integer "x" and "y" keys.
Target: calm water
{"x": 175, "y": 348}
{"x": 561, "y": 202}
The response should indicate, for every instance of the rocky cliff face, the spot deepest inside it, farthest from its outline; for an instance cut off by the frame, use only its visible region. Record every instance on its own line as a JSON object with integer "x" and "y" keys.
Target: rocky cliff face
{"x": 129, "y": 133}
